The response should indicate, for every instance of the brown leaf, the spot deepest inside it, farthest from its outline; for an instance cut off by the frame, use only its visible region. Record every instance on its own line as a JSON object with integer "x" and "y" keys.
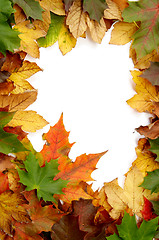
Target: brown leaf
{"x": 13, "y": 62}
{"x": 151, "y": 131}
{"x": 5, "y": 162}
{"x": 76, "y": 19}
{"x": 19, "y": 15}
{"x": 113, "y": 11}
{"x": 55, "y": 6}
{"x": 18, "y": 101}
{"x": 6, "y": 88}
{"x": 97, "y": 30}
{"x": 121, "y": 3}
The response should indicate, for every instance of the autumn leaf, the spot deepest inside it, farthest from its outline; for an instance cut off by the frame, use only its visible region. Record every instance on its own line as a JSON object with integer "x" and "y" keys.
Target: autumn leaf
{"x": 122, "y": 4}
{"x": 148, "y": 212}
{"x": 76, "y": 19}
{"x": 122, "y": 33}
{"x": 12, "y": 62}
{"x": 11, "y": 208}
{"x": 113, "y": 11}
{"x": 31, "y": 8}
{"x": 154, "y": 147}
{"x": 145, "y": 161}
{"x": 128, "y": 229}
{"x": 9, "y": 37}
{"x": 41, "y": 178}
{"x": 20, "y": 75}
{"x": 95, "y": 8}
{"x": 97, "y": 30}
{"x": 145, "y": 39}
{"x": 68, "y": 4}
{"x": 151, "y": 181}
{"x": 28, "y": 34}
{"x": 18, "y": 101}
{"x": 30, "y": 121}
{"x": 152, "y": 73}
{"x": 57, "y": 141}
{"x": 8, "y": 141}
{"x": 6, "y": 87}
{"x": 146, "y": 95}
{"x": 4, "y": 183}
{"x": 55, "y": 6}
{"x": 58, "y": 32}
{"x": 19, "y": 15}
{"x": 6, "y": 162}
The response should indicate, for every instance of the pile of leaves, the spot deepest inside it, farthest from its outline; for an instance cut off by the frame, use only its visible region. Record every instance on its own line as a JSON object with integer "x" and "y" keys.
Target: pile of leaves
{"x": 46, "y": 195}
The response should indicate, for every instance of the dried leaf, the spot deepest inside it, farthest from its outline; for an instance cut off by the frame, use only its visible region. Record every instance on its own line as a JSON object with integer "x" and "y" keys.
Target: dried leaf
{"x": 55, "y": 6}
{"x": 113, "y": 11}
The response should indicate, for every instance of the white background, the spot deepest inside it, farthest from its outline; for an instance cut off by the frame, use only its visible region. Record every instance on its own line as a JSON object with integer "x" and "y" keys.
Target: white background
{"x": 90, "y": 85}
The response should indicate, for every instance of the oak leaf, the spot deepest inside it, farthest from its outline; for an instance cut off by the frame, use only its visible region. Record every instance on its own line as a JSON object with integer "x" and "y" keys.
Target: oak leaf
{"x": 28, "y": 34}
{"x": 76, "y": 19}
{"x": 20, "y": 75}
{"x": 18, "y": 101}
{"x": 97, "y": 30}
{"x": 122, "y": 33}
{"x": 113, "y": 11}
{"x": 146, "y": 95}
{"x": 55, "y": 6}
{"x": 95, "y": 9}
{"x": 11, "y": 208}
{"x": 152, "y": 73}
{"x": 29, "y": 121}
{"x": 145, "y": 39}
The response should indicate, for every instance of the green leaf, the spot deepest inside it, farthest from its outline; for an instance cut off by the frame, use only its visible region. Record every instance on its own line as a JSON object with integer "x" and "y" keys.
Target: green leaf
{"x": 41, "y": 178}
{"x": 8, "y": 141}
{"x": 155, "y": 147}
{"x": 155, "y": 205}
{"x": 128, "y": 229}
{"x": 146, "y": 38}
{"x": 53, "y": 32}
{"x": 152, "y": 73}
{"x": 9, "y": 39}
{"x": 151, "y": 181}
{"x": 5, "y": 10}
{"x": 31, "y": 8}
{"x": 95, "y": 8}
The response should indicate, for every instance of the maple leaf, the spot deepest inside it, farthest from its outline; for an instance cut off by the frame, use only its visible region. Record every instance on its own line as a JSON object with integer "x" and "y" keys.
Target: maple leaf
{"x": 28, "y": 35}
{"x": 8, "y": 141}
{"x": 20, "y": 75}
{"x": 4, "y": 183}
{"x": 151, "y": 181}
{"x": 18, "y": 101}
{"x": 29, "y": 121}
{"x": 152, "y": 73}
{"x": 145, "y": 39}
{"x": 41, "y": 178}
{"x": 148, "y": 212}
{"x": 145, "y": 161}
{"x": 11, "y": 208}
{"x": 95, "y": 8}
{"x": 58, "y": 32}
{"x": 9, "y": 38}
{"x": 57, "y": 142}
{"x": 128, "y": 229}
{"x": 55, "y": 6}
{"x": 147, "y": 95}
{"x": 122, "y": 33}
{"x": 31, "y": 8}
{"x": 76, "y": 19}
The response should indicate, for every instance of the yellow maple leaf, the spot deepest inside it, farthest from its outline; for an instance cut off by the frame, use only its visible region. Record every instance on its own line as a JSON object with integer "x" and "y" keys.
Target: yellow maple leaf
{"x": 29, "y": 33}
{"x": 97, "y": 30}
{"x": 66, "y": 40}
{"x": 19, "y": 76}
{"x": 11, "y": 208}
{"x": 76, "y": 19}
{"x": 113, "y": 11}
{"x": 17, "y": 102}
{"x": 122, "y": 33}
{"x": 145, "y": 161}
{"x": 146, "y": 96}
{"x": 55, "y": 6}
{"x": 29, "y": 121}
